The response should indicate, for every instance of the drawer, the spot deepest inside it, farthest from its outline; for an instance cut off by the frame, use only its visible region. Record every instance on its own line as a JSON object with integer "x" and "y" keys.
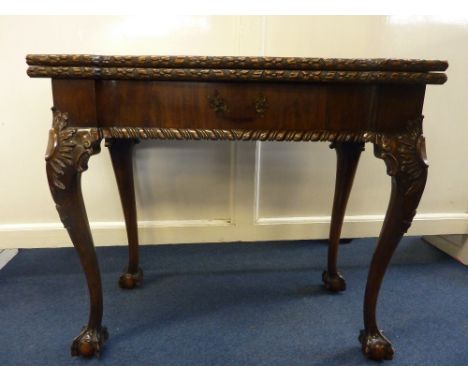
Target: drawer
{"x": 240, "y": 105}
{"x": 195, "y": 105}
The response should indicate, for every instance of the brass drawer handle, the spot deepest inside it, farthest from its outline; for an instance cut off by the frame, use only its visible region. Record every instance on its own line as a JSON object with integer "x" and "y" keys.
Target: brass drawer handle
{"x": 220, "y": 106}
{"x": 261, "y": 105}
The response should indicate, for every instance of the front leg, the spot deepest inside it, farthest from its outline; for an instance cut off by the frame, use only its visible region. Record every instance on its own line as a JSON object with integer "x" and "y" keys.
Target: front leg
{"x": 67, "y": 157}
{"x": 405, "y": 157}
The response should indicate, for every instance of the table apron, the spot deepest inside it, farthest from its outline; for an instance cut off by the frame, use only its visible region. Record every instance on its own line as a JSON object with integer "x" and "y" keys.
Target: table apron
{"x": 241, "y": 111}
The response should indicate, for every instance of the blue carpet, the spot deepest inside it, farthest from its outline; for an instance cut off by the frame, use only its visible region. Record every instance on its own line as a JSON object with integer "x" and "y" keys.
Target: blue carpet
{"x": 235, "y": 304}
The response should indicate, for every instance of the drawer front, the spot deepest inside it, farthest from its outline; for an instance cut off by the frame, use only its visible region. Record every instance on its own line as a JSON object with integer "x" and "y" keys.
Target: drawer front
{"x": 238, "y": 106}
{"x": 190, "y": 105}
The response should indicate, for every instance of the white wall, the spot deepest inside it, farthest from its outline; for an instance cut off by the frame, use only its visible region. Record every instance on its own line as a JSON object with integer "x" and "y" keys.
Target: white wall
{"x": 265, "y": 191}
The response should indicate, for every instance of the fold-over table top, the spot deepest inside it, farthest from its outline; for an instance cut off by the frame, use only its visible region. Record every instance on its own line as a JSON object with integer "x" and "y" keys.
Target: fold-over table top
{"x": 237, "y": 68}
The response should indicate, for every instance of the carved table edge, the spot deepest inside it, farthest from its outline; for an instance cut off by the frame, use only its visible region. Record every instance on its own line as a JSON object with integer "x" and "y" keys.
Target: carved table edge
{"x": 237, "y": 62}
{"x": 250, "y": 75}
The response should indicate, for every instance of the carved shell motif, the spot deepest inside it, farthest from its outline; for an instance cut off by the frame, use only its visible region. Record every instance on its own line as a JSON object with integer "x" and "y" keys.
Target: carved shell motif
{"x": 59, "y": 148}
{"x": 405, "y": 155}
{"x": 68, "y": 148}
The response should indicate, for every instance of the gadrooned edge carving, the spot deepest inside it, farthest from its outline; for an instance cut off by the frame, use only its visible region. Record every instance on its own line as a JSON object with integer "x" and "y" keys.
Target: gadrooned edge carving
{"x": 407, "y": 139}
{"x": 237, "y": 62}
{"x": 237, "y": 134}
{"x": 251, "y": 75}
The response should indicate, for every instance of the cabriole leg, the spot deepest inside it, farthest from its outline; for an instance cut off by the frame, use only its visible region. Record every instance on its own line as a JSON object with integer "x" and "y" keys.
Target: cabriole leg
{"x": 121, "y": 152}
{"x": 347, "y": 154}
{"x": 67, "y": 157}
{"x": 405, "y": 157}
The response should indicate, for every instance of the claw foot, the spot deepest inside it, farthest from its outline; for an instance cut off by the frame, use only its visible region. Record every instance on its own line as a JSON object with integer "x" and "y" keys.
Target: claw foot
{"x": 334, "y": 283}
{"x": 376, "y": 346}
{"x": 89, "y": 342}
{"x": 131, "y": 280}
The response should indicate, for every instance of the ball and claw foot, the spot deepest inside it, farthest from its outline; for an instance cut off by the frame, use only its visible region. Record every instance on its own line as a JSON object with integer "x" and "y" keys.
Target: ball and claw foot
{"x": 89, "y": 342}
{"x": 131, "y": 280}
{"x": 334, "y": 283}
{"x": 376, "y": 346}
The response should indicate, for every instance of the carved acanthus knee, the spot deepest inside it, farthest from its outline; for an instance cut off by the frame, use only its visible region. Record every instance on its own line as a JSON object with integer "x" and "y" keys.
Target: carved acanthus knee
{"x": 67, "y": 155}
{"x": 405, "y": 157}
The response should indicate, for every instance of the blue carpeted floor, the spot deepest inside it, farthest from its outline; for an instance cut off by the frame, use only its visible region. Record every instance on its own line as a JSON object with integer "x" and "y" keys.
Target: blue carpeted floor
{"x": 235, "y": 304}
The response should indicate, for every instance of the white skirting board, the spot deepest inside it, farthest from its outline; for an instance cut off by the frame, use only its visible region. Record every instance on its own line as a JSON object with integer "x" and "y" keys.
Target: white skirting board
{"x": 454, "y": 245}
{"x": 45, "y": 235}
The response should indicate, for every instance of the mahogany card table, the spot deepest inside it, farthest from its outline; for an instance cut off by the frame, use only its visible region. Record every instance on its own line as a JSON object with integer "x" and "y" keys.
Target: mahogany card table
{"x": 348, "y": 102}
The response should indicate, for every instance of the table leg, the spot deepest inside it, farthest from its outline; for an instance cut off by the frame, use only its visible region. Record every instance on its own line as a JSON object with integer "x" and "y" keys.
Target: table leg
{"x": 121, "y": 152}
{"x": 67, "y": 156}
{"x": 405, "y": 158}
{"x": 347, "y": 154}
